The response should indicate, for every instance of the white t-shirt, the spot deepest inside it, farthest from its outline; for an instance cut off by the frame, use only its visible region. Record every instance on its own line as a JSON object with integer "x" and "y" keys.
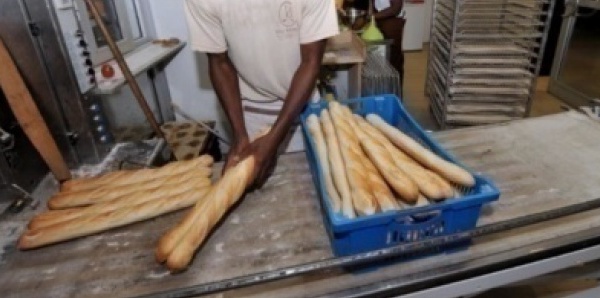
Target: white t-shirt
{"x": 262, "y": 37}
{"x": 383, "y": 4}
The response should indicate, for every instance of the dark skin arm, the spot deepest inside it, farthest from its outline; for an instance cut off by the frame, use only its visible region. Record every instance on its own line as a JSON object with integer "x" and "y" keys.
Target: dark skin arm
{"x": 264, "y": 149}
{"x": 390, "y": 12}
{"x": 224, "y": 78}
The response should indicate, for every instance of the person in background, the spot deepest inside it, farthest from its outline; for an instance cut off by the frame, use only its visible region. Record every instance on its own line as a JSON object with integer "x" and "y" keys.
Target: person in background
{"x": 264, "y": 58}
{"x": 388, "y": 15}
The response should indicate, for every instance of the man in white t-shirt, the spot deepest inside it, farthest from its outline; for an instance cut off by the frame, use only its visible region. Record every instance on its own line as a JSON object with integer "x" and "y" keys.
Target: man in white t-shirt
{"x": 264, "y": 58}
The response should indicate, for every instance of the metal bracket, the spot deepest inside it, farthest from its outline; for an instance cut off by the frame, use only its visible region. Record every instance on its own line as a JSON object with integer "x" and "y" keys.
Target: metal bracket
{"x": 7, "y": 140}
{"x": 73, "y": 137}
{"x": 34, "y": 29}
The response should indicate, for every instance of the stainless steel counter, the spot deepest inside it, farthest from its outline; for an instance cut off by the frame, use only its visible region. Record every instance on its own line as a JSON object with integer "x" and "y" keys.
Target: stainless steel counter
{"x": 539, "y": 164}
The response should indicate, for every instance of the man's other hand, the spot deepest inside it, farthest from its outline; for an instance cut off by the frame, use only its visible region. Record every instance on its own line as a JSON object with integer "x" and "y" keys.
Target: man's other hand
{"x": 233, "y": 157}
{"x": 264, "y": 150}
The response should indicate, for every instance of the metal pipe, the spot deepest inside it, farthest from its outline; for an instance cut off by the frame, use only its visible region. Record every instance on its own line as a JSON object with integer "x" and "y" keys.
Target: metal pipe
{"x": 135, "y": 88}
{"x": 540, "y": 56}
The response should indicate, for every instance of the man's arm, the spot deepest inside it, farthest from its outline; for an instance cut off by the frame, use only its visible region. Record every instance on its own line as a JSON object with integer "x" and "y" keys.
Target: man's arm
{"x": 224, "y": 78}
{"x": 390, "y": 12}
{"x": 302, "y": 87}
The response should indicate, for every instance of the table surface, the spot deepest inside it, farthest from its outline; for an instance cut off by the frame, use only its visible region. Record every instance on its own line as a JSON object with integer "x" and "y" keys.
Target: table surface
{"x": 539, "y": 164}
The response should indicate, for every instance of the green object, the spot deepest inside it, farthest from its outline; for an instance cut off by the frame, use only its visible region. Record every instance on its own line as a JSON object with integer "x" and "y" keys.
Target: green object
{"x": 372, "y": 33}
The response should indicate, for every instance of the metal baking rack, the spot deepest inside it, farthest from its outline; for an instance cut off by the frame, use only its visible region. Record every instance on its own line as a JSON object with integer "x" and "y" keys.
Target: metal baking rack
{"x": 380, "y": 77}
{"x": 484, "y": 59}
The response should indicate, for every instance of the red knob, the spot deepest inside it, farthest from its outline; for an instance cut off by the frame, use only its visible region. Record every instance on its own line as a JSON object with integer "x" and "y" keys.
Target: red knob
{"x": 107, "y": 71}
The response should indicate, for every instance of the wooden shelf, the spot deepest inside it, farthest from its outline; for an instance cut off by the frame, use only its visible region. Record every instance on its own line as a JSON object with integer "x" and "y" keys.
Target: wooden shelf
{"x": 345, "y": 48}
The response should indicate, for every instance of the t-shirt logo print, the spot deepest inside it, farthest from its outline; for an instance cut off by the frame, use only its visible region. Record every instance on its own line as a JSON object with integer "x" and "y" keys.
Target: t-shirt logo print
{"x": 286, "y": 14}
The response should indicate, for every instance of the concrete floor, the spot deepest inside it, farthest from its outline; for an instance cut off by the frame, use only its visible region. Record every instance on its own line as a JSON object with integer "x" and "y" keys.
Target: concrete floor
{"x": 418, "y": 104}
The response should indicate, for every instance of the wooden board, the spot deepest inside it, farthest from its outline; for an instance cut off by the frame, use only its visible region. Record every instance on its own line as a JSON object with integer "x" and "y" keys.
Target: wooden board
{"x": 28, "y": 115}
{"x": 539, "y": 164}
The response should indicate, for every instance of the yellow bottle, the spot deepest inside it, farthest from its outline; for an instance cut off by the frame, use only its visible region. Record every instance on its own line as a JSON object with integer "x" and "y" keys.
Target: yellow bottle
{"x": 372, "y": 33}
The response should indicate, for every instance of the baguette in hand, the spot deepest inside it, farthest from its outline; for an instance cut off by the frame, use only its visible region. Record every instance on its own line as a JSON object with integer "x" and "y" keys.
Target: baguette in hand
{"x": 177, "y": 247}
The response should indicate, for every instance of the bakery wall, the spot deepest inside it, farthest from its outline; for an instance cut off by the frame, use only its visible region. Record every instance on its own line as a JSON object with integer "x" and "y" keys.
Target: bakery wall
{"x": 187, "y": 74}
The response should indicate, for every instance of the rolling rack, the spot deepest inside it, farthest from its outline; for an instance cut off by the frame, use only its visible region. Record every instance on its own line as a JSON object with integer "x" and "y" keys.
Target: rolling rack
{"x": 484, "y": 59}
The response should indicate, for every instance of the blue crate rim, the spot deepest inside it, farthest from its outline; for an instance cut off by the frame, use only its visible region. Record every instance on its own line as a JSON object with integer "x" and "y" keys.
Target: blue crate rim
{"x": 347, "y": 225}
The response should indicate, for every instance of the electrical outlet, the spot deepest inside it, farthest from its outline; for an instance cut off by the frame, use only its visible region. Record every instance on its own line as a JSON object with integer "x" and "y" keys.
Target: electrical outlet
{"x": 63, "y": 4}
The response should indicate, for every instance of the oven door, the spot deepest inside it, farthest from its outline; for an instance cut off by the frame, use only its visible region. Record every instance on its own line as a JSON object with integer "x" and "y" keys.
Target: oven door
{"x": 20, "y": 163}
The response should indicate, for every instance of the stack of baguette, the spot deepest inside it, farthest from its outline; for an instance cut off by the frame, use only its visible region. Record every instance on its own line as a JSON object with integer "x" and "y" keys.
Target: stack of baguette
{"x": 369, "y": 166}
{"x": 91, "y": 205}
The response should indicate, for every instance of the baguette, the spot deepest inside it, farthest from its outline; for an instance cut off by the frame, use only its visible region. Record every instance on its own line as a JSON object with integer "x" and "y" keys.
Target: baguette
{"x": 423, "y": 155}
{"x": 133, "y": 199}
{"x": 422, "y": 201}
{"x": 424, "y": 179}
{"x": 396, "y": 177}
{"x": 362, "y": 198}
{"x": 430, "y": 184}
{"x": 314, "y": 127}
{"x": 137, "y": 176}
{"x": 178, "y": 246}
{"x": 381, "y": 191}
{"x": 69, "y": 199}
{"x": 338, "y": 170}
{"x": 447, "y": 189}
{"x": 96, "y": 223}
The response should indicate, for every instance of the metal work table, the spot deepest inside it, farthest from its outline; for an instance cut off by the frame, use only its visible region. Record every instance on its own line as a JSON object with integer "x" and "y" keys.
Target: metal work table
{"x": 539, "y": 164}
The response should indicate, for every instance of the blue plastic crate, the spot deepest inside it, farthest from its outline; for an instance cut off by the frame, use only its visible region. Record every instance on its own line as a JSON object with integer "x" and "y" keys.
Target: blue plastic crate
{"x": 381, "y": 230}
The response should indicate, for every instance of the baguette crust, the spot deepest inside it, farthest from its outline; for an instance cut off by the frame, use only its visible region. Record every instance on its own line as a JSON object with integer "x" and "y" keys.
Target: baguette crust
{"x": 69, "y": 199}
{"x": 338, "y": 170}
{"x": 426, "y": 180}
{"x": 396, "y": 177}
{"x": 423, "y": 155}
{"x": 96, "y": 223}
{"x": 137, "y": 176}
{"x": 381, "y": 191}
{"x": 314, "y": 127}
{"x": 364, "y": 202}
{"x": 133, "y": 199}
{"x": 180, "y": 244}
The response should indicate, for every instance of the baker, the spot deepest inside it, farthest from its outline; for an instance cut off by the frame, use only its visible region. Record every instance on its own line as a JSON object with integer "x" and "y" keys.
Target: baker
{"x": 264, "y": 57}
{"x": 390, "y": 20}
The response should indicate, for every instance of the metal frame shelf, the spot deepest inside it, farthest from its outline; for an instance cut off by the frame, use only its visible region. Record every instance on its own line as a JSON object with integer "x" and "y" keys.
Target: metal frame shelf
{"x": 484, "y": 59}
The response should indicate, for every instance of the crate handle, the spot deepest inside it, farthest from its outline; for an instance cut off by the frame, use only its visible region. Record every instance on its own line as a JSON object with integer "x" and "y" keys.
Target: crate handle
{"x": 420, "y": 218}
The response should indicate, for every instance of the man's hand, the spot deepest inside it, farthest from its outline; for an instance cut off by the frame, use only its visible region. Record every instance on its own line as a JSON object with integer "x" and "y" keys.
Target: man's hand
{"x": 264, "y": 150}
{"x": 233, "y": 157}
